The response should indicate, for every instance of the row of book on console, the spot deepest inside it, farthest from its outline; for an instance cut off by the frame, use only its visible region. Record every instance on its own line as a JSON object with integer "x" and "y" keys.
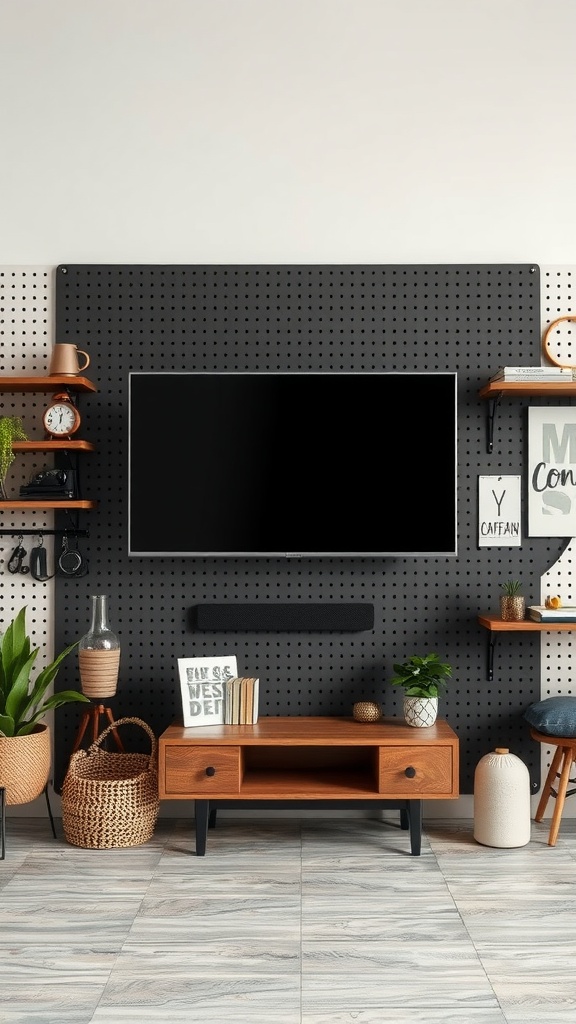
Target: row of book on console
{"x": 241, "y": 700}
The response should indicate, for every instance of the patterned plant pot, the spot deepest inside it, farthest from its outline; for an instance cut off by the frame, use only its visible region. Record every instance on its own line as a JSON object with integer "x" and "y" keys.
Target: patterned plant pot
{"x": 420, "y": 711}
{"x": 25, "y": 764}
{"x": 512, "y": 609}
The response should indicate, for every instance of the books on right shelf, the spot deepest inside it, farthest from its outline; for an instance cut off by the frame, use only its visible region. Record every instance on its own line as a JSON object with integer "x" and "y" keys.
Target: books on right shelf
{"x": 539, "y": 613}
{"x": 536, "y": 374}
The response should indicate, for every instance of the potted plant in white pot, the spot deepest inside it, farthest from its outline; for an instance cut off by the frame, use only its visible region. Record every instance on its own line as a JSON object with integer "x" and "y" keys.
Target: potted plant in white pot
{"x": 423, "y": 678}
{"x": 25, "y": 751}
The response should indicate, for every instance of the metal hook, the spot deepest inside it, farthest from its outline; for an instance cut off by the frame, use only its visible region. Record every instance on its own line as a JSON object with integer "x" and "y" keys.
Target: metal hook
{"x": 16, "y": 559}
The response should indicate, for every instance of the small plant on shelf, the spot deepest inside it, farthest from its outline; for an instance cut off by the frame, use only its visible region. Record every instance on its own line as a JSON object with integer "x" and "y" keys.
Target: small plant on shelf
{"x": 512, "y": 603}
{"x": 422, "y": 677}
{"x": 11, "y": 430}
{"x": 511, "y": 588}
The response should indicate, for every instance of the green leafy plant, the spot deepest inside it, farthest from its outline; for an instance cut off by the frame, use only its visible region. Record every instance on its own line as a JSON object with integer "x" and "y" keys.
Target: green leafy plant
{"x": 422, "y": 677}
{"x": 511, "y": 588}
{"x": 11, "y": 429}
{"x": 22, "y": 700}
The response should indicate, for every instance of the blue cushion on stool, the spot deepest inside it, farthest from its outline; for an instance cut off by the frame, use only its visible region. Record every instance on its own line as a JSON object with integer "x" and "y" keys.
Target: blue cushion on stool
{"x": 553, "y": 716}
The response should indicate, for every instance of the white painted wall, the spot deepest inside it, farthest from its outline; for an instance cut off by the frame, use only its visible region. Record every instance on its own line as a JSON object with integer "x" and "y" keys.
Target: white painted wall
{"x": 322, "y": 131}
{"x": 160, "y": 131}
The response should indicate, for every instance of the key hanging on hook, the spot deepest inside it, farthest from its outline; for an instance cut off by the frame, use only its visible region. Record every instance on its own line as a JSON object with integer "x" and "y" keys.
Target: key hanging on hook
{"x": 70, "y": 562}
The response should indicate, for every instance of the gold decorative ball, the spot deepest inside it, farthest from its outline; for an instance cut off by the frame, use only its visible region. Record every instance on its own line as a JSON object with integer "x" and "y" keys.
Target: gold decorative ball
{"x": 366, "y": 711}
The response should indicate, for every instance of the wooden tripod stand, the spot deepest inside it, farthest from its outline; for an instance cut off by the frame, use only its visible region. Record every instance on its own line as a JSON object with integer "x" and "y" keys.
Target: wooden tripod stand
{"x": 93, "y": 716}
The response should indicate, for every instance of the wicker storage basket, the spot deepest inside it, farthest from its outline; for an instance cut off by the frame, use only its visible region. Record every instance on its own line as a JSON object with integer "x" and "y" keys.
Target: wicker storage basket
{"x": 111, "y": 799}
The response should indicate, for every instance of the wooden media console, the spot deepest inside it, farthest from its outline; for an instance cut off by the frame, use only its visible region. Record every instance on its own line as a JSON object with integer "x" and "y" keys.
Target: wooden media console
{"x": 297, "y": 760}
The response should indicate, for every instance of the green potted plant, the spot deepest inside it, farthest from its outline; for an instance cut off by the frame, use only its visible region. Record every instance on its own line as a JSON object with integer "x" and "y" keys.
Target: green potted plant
{"x": 422, "y": 678}
{"x": 11, "y": 430}
{"x": 512, "y": 602}
{"x": 25, "y": 752}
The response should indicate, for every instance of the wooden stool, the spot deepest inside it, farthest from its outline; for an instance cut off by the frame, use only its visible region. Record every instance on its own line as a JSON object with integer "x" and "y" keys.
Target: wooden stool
{"x": 564, "y": 756}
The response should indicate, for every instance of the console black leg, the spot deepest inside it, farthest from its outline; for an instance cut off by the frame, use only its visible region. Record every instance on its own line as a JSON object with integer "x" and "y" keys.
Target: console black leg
{"x": 212, "y": 818}
{"x": 404, "y": 818}
{"x": 202, "y": 810}
{"x": 415, "y": 817}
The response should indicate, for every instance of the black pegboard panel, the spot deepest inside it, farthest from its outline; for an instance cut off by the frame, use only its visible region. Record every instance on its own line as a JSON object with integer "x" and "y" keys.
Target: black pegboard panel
{"x": 468, "y": 318}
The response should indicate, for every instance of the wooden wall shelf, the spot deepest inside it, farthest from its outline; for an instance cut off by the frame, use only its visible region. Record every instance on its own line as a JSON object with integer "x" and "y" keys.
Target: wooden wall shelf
{"x": 497, "y": 389}
{"x": 494, "y": 624}
{"x": 61, "y": 503}
{"x": 498, "y": 625}
{"x": 53, "y": 446}
{"x": 526, "y": 389}
{"x": 46, "y": 384}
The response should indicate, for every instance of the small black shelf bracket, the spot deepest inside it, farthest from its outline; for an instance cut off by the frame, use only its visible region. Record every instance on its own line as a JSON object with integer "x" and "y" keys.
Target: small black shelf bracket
{"x": 490, "y": 417}
{"x": 490, "y": 657}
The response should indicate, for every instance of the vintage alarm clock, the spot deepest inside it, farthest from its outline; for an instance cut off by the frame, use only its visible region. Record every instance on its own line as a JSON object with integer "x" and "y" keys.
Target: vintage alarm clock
{"x": 61, "y": 418}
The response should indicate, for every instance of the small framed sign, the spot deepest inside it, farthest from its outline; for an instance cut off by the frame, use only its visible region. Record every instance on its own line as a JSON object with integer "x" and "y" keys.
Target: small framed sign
{"x": 499, "y": 508}
{"x": 202, "y": 682}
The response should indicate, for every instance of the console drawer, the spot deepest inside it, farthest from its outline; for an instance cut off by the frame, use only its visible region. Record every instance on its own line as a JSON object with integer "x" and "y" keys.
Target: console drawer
{"x": 415, "y": 771}
{"x": 191, "y": 771}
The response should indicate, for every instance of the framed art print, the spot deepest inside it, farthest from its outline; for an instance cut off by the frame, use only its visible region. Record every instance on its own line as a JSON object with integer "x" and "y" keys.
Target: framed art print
{"x": 202, "y": 682}
{"x": 551, "y": 471}
{"x": 499, "y": 508}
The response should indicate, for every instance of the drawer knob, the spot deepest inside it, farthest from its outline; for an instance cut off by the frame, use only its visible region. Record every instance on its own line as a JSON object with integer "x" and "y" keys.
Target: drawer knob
{"x": 210, "y": 771}
{"x": 410, "y": 772}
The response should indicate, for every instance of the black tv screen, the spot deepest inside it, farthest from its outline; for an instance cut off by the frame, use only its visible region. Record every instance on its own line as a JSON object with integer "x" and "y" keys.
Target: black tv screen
{"x": 292, "y": 464}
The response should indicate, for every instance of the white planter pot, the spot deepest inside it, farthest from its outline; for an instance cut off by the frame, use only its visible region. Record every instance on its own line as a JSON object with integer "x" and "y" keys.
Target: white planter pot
{"x": 420, "y": 711}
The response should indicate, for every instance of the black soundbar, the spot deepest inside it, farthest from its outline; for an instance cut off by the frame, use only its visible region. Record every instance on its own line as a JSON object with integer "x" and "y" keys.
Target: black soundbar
{"x": 278, "y": 617}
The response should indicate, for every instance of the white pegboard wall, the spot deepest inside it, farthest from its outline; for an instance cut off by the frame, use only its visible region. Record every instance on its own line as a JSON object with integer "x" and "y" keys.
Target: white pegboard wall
{"x": 558, "y": 286}
{"x": 558, "y": 650}
{"x": 26, "y": 338}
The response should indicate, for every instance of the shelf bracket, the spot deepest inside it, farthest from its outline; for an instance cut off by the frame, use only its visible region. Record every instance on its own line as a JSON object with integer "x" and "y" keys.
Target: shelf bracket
{"x": 490, "y": 417}
{"x": 491, "y": 644}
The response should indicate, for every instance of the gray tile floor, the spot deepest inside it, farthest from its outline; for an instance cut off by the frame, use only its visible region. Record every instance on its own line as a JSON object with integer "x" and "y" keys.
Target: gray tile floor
{"x": 287, "y": 921}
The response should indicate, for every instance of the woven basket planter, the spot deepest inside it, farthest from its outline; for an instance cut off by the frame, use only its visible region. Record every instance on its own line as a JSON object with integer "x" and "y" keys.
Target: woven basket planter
{"x": 111, "y": 799}
{"x": 25, "y": 764}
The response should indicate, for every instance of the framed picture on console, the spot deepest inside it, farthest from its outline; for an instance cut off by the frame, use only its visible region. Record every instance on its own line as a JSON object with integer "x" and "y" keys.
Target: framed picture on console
{"x": 202, "y": 684}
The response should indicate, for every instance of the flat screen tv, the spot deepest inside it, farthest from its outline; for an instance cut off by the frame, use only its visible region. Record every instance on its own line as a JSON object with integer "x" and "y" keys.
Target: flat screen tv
{"x": 292, "y": 464}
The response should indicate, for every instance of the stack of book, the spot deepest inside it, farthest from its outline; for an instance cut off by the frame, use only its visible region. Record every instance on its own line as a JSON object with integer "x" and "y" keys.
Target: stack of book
{"x": 535, "y": 374}
{"x": 241, "y": 701}
{"x": 539, "y": 613}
